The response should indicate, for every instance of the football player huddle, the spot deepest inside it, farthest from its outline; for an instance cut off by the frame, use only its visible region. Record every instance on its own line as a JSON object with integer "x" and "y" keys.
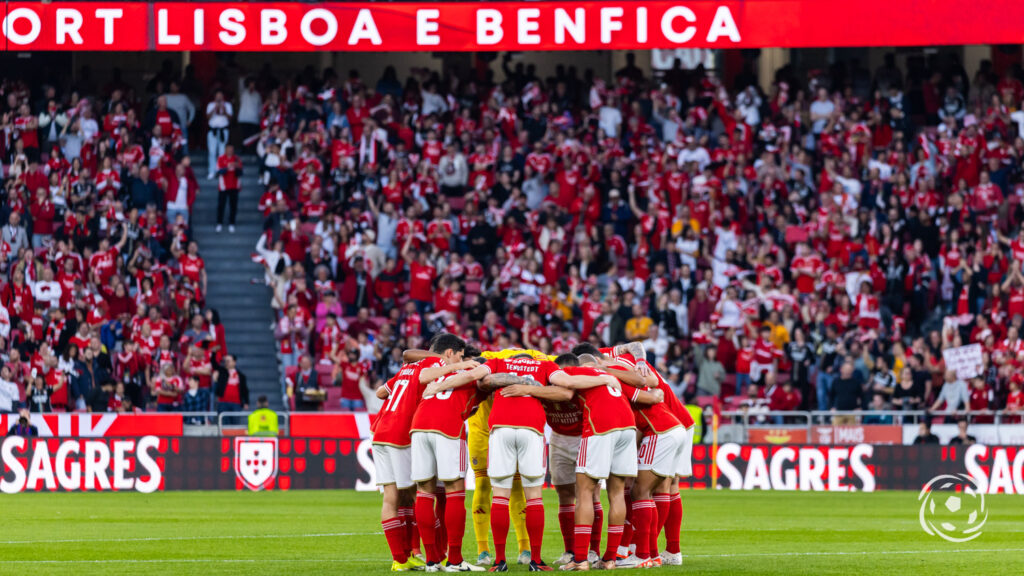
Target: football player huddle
{"x": 612, "y": 417}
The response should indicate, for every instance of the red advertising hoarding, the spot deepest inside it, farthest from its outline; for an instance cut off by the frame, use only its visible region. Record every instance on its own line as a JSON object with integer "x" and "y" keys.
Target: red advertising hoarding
{"x": 101, "y": 425}
{"x": 494, "y": 26}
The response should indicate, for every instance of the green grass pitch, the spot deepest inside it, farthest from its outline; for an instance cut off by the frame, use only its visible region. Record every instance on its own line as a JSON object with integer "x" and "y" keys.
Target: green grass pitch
{"x": 338, "y": 532}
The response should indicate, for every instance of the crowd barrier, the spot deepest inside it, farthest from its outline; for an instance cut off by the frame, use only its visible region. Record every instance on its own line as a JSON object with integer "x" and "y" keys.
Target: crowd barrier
{"x": 747, "y": 427}
{"x": 152, "y": 463}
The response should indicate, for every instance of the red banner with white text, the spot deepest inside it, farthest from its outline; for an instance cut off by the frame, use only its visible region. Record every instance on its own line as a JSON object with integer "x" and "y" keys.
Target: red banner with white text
{"x": 494, "y": 26}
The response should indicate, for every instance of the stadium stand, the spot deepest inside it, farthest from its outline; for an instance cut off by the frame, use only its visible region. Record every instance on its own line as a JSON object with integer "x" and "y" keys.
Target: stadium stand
{"x": 817, "y": 246}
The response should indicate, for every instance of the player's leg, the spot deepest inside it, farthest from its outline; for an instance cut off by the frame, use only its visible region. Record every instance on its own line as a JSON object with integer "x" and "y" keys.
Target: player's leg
{"x": 566, "y": 518}
{"x": 673, "y": 525}
{"x": 424, "y": 473}
{"x": 502, "y": 488}
{"x": 532, "y": 466}
{"x": 616, "y": 518}
{"x": 407, "y": 511}
{"x": 394, "y": 527}
{"x": 627, "y": 528}
{"x": 624, "y": 466}
{"x": 562, "y": 454}
{"x": 481, "y": 493}
{"x": 426, "y": 520}
{"x": 585, "y": 487}
{"x": 595, "y": 531}
{"x": 644, "y": 511}
{"x": 441, "y": 530}
{"x": 453, "y": 471}
{"x": 535, "y": 521}
{"x": 661, "y": 505}
{"x": 501, "y": 467}
{"x": 517, "y": 511}
{"x": 674, "y": 519}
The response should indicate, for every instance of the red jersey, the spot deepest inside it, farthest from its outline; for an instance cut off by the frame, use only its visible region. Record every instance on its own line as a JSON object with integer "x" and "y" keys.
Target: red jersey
{"x": 421, "y": 282}
{"x": 191, "y": 267}
{"x": 524, "y": 411}
{"x": 232, "y": 392}
{"x": 446, "y": 412}
{"x": 351, "y": 374}
{"x": 656, "y": 418}
{"x": 565, "y": 418}
{"x": 173, "y": 384}
{"x": 404, "y": 391}
{"x": 605, "y": 409}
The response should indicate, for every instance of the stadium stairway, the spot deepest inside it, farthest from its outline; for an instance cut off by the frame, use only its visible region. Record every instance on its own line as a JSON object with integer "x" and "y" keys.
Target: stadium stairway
{"x": 244, "y": 307}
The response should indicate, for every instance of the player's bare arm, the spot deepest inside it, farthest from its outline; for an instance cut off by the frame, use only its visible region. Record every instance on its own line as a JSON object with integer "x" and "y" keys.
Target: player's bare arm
{"x": 628, "y": 377}
{"x": 435, "y": 372}
{"x": 382, "y": 393}
{"x": 635, "y": 349}
{"x": 581, "y": 382}
{"x": 648, "y": 397}
{"x": 472, "y": 371}
{"x": 494, "y": 381}
{"x": 415, "y": 355}
{"x": 549, "y": 393}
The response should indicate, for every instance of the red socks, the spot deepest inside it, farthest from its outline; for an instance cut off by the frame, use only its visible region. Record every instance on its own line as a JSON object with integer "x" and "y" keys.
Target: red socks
{"x": 455, "y": 521}
{"x": 643, "y": 514}
{"x": 412, "y": 534}
{"x": 595, "y": 534}
{"x": 566, "y": 521}
{"x": 499, "y": 526}
{"x": 427, "y": 521}
{"x": 394, "y": 531}
{"x": 673, "y": 524}
{"x": 612, "y": 546}
{"x": 661, "y": 503}
{"x": 582, "y": 542}
{"x": 440, "y": 534}
{"x": 627, "y": 528}
{"x": 535, "y": 526}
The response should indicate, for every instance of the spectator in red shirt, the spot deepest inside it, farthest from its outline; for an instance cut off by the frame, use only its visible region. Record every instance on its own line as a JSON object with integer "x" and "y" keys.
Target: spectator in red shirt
{"x": 350, "y": 374}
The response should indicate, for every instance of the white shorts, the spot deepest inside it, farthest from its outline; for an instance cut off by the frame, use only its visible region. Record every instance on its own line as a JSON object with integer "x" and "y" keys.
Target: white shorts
{"x": 660, "y": 453}
{"x": 438, "y": 456}
{"x": 562, "y": 454}
{"x": 512, "y": 450}
{"x": 393, "y": 465}
{"x": 612, "y": 454}
{"x": 685, "y": 467}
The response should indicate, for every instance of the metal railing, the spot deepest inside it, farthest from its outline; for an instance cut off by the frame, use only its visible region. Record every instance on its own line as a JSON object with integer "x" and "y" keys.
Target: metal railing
{"x": 746, "y": 420}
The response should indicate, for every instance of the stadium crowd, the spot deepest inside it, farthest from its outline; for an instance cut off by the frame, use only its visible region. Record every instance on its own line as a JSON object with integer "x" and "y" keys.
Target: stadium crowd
{"x": 102, "y": 296}
{"x": 814, "y": 247}
{"x": 817, "y": 247}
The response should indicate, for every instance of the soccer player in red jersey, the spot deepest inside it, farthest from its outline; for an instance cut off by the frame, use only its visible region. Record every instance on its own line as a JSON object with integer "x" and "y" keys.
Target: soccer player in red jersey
{"x": 516, "y": 442}
{"x": 607, "y": 452}
{"x": 566, "y": 421}
{"x": 392, "y": 455}
{"x": 439, "y": 455}
{"x": 664, "y": 456}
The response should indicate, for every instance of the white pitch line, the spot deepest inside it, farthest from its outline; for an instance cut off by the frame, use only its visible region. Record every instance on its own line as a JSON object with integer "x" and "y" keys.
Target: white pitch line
{"x": 862, "y": 553}
{"x": 179, "y": 538}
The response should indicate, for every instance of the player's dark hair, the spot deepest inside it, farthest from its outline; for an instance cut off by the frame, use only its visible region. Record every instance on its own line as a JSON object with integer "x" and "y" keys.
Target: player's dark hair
{"x": 444, "y": 342}
{"x": 521, "y": 355}
{"x": 565, "y": 360}
{"x": 586, "y": 348}
{"x": 472, "y": 351}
